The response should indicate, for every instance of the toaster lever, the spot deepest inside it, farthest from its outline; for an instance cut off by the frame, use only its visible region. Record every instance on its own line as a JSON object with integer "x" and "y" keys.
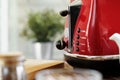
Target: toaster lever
{"x": 60, "y": 44}
{"x": 64, "y": 13}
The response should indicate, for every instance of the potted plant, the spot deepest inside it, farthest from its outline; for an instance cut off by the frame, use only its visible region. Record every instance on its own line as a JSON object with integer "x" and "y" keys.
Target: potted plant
{"x": 42, "y": 28}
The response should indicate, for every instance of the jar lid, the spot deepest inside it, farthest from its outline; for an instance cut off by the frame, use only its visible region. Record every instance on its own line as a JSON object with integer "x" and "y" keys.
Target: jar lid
{"x": 11, "y": 57}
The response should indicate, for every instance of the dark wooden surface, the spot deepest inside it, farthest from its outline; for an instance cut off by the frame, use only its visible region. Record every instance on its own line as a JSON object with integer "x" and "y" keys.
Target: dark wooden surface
{"x": 110, "y": 69}
{"x": 112, "y": 78}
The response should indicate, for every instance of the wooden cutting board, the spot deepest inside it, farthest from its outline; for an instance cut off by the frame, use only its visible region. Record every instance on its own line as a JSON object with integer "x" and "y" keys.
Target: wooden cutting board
{"x": 33, "y": 66}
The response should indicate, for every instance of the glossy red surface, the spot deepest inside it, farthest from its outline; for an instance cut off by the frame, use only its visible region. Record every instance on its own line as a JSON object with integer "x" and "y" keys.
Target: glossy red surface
{"x": 98, "y": 20}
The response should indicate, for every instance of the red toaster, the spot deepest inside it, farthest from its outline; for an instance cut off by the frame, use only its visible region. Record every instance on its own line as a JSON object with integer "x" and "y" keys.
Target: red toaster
{"x": 89, "y": 24}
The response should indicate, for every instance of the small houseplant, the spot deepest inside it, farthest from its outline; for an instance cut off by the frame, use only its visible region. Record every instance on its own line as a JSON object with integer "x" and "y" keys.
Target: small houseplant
{"x": 42, "y": 28}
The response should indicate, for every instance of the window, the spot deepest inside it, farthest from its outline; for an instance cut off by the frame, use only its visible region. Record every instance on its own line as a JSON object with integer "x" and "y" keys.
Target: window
{"x": 3, "y": 25}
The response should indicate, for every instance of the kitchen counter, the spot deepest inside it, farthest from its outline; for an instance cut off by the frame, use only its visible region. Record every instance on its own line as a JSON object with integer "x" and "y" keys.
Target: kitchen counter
{"x": 33, "y": 66}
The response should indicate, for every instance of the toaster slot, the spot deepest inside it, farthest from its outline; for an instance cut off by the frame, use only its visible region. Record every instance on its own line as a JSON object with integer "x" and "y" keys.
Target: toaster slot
{"x": 74, "y": 12}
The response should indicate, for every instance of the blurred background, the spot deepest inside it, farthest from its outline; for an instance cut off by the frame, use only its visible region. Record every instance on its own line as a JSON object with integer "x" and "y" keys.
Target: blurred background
{"x": 21, "y": 26}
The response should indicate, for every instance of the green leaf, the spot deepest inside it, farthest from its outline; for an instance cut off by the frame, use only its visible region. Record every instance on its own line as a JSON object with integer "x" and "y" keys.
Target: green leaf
{"x": 43, "y": 26}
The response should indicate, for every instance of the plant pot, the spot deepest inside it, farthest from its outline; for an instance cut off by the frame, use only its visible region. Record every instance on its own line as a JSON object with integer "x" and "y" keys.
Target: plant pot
{"x": 43, "y": 50}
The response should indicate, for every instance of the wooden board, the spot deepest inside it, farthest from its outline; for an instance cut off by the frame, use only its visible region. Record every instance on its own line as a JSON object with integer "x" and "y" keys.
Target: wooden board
{"x": 33, "y": 66}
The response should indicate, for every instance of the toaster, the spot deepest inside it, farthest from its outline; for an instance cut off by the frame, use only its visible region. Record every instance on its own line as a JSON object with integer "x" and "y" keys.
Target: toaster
{"x": 88, "y": 27}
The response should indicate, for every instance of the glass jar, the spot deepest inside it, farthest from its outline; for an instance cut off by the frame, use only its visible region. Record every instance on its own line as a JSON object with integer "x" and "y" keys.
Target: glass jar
{"x": 12, "y": 67}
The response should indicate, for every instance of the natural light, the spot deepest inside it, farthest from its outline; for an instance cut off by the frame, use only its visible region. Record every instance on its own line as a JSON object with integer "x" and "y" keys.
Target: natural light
{"x": 3, "y": 25}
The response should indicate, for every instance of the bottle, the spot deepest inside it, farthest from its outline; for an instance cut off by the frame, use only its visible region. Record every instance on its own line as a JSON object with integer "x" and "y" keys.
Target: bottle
{"x": 12, "y": 67}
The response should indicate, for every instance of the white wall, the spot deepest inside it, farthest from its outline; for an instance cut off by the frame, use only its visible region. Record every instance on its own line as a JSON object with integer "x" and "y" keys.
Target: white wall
{"x": 13, "y": 25}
